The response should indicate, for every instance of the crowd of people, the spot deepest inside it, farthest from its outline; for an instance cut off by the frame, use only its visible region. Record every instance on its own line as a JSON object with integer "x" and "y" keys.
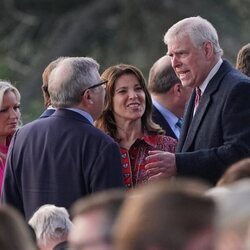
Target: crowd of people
{"x": 115, "y": 162}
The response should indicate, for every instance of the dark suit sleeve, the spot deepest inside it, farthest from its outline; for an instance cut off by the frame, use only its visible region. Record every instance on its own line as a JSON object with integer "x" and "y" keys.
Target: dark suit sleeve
{"x": 210, "y": 163}
{"x": 11, "y": 189}
{"x": 107, "y": 170}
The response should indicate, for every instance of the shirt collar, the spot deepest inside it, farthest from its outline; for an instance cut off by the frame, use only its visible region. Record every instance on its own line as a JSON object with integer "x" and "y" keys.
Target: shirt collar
{"x": 210, "y": 76}
{"x": 51, "y": 107}
{"x": 149, "y": 139}
{"x": 83, "y": 113}
{"x": 168, "y": 115}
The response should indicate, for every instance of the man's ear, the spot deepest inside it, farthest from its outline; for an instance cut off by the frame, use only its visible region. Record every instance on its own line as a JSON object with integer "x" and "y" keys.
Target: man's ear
{"x": 177, "y": 89}
{"x": 87, "y": 97}
{"x": 208, "y": 49}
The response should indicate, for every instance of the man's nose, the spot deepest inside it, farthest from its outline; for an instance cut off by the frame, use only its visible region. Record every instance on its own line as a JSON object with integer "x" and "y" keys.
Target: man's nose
{"x": 175, "y": 61}
{"x": 133, "y": 94}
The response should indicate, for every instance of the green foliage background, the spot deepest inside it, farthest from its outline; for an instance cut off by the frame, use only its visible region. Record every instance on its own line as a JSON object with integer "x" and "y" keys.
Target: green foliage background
{"x": 32, "y": 33}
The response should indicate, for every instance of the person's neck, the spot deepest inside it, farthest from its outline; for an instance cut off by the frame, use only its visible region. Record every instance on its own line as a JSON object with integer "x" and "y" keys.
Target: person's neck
{"x": 213, "y": 62}
{"x": 3, "y": 140}
{"x": 128, "y": 132}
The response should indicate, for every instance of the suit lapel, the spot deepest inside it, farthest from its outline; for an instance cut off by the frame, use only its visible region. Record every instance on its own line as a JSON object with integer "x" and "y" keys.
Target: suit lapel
{"x": 196, "y": 121}
{"x": 159, "y": 119}
{"x": 193, "y": 123}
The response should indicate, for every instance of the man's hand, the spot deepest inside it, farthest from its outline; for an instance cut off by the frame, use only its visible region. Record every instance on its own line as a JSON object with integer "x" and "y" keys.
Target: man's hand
{"x": 160, "y": 165}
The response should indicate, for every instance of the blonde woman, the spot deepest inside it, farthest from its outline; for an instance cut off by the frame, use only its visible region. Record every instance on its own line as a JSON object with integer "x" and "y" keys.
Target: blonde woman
{"x": 9, "y": 119}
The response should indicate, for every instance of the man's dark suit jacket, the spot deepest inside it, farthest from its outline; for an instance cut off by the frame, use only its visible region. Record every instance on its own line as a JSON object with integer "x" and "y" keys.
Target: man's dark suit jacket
{"x": 58, "y": 160}
{"x": 219, "y": 133}
{"x": 47, "y": 112}
{"x": 159, "y": 119}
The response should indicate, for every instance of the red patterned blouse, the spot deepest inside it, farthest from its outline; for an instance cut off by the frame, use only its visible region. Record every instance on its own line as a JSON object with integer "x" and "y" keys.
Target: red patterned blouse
{"x": 133, "y": 160}
{"x": 3, "y": 153}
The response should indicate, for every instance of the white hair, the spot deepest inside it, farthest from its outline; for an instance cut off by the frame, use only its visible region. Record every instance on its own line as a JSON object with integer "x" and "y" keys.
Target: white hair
{"x": 198, "y": 29}
{"x": 51, "y": 224}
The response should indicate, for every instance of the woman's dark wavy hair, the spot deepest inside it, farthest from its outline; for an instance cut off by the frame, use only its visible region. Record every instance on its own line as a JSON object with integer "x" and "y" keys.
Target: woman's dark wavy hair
{"x": 106, "y": 122}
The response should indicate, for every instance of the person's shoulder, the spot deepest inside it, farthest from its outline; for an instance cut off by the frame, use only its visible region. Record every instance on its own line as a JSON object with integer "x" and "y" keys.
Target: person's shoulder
{"x": 163, "y": 139}
{"x": 238, "y": 81}
{"x": 236, "y": 77}
{"x": 99, "y": 135}
{"x": 234, "y": 82}
{"x": 166, "y": 143}
{"x": 167, "y": 138}
{"x": 31, "y": 125}
{"x": 32, "y": 128}
{"x": 101, "y": 140}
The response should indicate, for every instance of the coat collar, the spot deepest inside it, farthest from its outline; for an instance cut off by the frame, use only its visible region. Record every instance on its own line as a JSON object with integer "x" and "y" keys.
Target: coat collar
{"x": 70, "y": 114}
{"x": 191, "y": 124}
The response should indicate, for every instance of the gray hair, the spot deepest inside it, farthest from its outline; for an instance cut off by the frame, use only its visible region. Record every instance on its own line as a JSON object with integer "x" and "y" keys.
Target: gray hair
{"x": 50, "y": 224}
{"x": 199, "y": 31}
{"x": 68, "y": 80}
{"x": 7, "y": 86}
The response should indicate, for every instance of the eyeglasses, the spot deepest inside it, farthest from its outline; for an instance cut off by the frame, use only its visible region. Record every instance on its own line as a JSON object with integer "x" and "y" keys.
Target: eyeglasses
{"x": 94, "y": 86}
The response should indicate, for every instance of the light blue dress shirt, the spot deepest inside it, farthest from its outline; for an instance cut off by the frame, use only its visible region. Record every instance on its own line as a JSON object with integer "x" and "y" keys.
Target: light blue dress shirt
{"x": 169, "y": 117}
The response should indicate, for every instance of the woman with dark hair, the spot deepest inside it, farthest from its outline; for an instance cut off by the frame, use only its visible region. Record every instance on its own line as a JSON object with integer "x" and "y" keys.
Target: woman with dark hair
{"x": 127, "y": 117}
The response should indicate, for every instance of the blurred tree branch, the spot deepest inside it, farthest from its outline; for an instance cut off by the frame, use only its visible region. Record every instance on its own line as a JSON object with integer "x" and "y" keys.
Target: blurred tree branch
{"x": 34, "y": 32}
{"x": 19, "y": 16}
